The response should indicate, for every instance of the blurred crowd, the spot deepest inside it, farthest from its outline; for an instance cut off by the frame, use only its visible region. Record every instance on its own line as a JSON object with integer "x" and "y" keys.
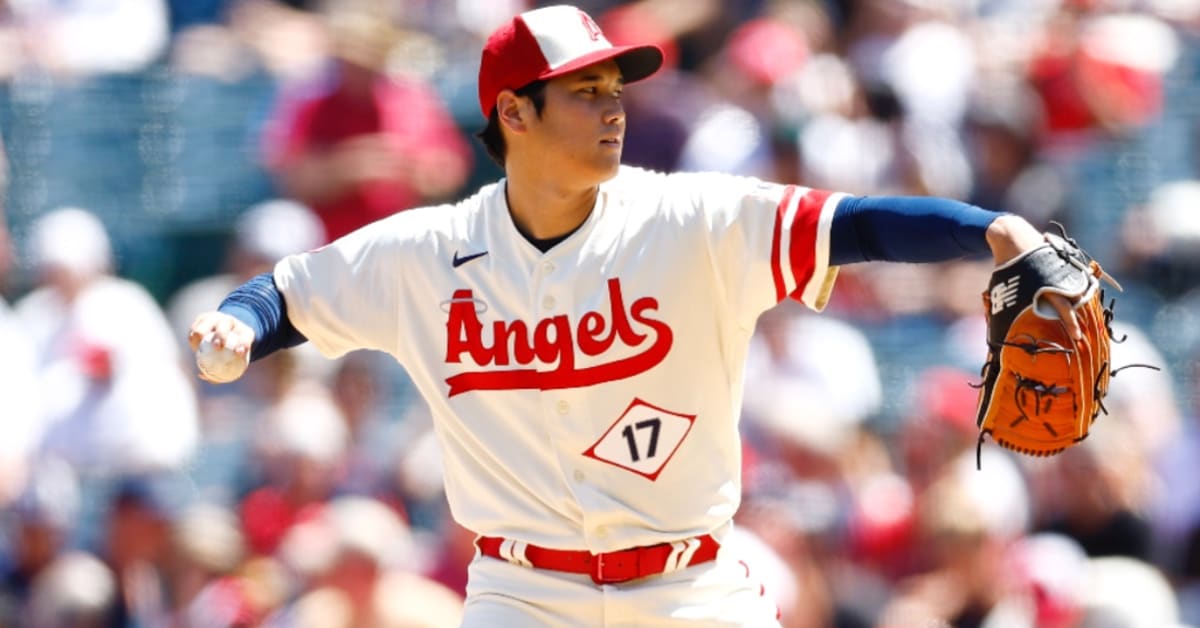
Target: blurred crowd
{"x": 308, "y": 493}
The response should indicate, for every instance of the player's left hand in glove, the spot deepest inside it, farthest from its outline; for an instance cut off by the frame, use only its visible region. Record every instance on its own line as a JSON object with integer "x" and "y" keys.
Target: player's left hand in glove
{"x": 1043, "y": 386}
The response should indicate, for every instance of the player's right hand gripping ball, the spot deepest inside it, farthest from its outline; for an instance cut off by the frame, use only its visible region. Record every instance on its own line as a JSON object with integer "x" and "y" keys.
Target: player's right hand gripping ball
{"x": 220, "y": 365}
{"x": 1041, "y": 388}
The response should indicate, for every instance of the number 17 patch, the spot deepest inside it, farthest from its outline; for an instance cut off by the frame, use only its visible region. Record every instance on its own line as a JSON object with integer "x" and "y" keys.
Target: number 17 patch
{"x": 643, "y": 439}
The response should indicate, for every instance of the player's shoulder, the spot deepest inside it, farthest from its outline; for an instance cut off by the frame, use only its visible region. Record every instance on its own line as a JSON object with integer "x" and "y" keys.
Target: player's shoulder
{"x": 685, "y": 192}
{"x": 635, "y": 180}
{"x": 647, "y": 192}
{"x": 457, "y": 217}
{"x": 432, "y": 224}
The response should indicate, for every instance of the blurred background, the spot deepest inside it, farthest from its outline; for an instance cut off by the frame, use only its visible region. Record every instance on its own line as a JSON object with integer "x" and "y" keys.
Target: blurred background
{"x": 159, "y": 152}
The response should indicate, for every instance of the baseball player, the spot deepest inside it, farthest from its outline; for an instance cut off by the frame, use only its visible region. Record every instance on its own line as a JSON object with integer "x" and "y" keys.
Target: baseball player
{"x": 578, "y": 330}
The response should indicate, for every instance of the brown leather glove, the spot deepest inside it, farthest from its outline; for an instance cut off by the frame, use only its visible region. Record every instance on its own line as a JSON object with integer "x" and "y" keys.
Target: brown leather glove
{"x": 1041, "y": 388}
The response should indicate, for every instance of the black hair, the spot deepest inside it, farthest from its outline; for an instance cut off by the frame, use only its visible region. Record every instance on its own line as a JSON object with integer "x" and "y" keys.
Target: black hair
{"x": 492, "y": 138}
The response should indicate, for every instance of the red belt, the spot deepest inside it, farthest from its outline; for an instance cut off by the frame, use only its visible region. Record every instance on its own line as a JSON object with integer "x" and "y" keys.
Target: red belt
{"x": 610, "y": 567}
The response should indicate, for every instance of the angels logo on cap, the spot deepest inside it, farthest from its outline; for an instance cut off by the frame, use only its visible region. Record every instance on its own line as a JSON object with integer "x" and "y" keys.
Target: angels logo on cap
{"x": 549, "y": 42}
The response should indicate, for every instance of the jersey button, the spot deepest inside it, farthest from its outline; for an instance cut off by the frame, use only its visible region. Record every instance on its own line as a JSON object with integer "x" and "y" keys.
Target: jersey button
{"x": 548, "y": 303}
{"x": 563, "y": 407}
{"x": 578, "y": 475}
{"x": 548, "y": 267}
{"x": 601, "y": 531}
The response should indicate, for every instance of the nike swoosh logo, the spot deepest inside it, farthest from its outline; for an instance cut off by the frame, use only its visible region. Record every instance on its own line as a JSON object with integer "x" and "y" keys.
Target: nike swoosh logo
{"x": 459, "y": 261}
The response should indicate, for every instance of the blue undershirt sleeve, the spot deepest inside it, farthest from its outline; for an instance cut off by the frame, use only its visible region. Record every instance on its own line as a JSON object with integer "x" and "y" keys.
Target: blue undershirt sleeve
{"x": 907, "y": 229}
{"x": 259, "y": 304}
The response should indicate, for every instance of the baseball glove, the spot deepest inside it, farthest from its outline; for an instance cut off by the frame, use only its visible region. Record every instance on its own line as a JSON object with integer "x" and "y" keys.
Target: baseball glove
{"x": 1041, "y": 388}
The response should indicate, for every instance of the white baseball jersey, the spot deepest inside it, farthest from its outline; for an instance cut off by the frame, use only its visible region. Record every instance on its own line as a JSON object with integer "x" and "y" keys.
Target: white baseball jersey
{"x": 586, "y": 397}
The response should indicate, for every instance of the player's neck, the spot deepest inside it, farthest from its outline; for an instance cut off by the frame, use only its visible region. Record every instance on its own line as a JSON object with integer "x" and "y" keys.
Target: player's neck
{"x": 545, "y": 212}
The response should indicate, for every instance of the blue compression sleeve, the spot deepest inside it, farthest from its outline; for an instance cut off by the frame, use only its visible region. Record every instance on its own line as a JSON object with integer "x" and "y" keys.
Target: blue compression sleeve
{"x": 259, "y": 304}
{"x": 907, "y": 229}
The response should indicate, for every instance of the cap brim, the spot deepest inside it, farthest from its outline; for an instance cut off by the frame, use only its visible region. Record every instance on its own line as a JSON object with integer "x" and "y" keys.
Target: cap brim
{"x": 636, "y": 62}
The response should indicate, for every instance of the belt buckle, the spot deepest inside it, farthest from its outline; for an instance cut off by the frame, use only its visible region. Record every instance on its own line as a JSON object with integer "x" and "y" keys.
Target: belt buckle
{"x": 615, "y": 567}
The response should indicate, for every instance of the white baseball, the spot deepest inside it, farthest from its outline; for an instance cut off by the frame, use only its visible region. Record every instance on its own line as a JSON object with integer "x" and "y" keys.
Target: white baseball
{"x": 220, "y": 365}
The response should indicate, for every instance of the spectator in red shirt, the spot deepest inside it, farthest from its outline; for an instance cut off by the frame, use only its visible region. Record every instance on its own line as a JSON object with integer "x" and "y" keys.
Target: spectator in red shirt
{"x": 365, "y": 143}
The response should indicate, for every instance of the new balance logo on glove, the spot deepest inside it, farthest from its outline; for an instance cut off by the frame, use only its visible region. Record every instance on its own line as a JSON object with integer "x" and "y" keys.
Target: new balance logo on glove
{"x": 1004, "y": 295}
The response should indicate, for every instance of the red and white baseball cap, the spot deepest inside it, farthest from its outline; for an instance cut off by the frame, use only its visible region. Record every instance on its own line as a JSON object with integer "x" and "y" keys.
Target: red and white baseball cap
{"x": 549, "y": 42}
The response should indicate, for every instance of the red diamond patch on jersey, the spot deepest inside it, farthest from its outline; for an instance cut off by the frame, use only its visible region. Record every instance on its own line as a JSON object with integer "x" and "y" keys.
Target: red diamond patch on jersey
{"x": 643, "y": 439}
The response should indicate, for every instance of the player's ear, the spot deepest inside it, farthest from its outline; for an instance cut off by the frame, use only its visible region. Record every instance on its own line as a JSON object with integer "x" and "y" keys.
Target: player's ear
{"x": 513, "y": 110}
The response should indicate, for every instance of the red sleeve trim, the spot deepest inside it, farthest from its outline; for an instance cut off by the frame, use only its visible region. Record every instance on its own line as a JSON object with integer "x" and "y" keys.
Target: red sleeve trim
{"x": 776, "y": 237}
{"x": 804, "y": 238}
